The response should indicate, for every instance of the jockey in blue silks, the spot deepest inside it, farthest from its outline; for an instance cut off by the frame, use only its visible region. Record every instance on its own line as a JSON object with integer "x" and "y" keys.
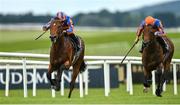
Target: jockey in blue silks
{"x": 156, "y": 23}
{"x": 67, "y": 22}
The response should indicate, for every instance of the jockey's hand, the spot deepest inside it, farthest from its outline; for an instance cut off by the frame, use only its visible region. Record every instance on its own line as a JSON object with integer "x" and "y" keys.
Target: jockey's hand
{"x": 137, "y": 39}
{"x": 157, "y": 33}
{"x": 45, "y": 28}
{"x": 65, "y": 27}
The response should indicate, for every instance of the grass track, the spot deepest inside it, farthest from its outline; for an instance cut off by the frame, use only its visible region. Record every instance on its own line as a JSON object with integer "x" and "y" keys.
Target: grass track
{"x": 95, "y": 96}
{"x": 97, "y": 43}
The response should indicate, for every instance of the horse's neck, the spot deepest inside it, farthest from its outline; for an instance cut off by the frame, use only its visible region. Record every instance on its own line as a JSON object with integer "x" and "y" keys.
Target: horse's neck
{"x": 61, "y": 41}
{"x": 59, "y": 44}
{"x": 153, "y": 46}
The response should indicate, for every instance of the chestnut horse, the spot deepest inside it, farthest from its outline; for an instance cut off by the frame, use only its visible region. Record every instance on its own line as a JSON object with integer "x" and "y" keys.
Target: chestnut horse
{"x": 153, "y": 58}
{"x": 62, "y": 56}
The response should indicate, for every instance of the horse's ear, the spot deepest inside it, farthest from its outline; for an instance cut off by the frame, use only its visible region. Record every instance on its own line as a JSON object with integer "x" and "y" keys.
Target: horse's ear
{"x": 149, "y": 25}
{"x": 57, "y": 19}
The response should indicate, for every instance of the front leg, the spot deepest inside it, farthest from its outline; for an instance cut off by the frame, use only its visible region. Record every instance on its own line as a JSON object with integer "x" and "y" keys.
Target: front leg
{"x": 147, "y": 80}
{"x": 59, "y": 75}
{"x": 52, "y": 81}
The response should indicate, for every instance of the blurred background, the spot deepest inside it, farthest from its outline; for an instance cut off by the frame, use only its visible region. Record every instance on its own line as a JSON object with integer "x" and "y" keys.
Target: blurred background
{"x": 113, "y": 21}
{"x": 108, "y": 13}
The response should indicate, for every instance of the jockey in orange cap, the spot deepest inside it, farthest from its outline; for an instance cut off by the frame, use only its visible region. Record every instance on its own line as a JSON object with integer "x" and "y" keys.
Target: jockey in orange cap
{"x": 157, "y": 24}
{"x": 67, "y": 22}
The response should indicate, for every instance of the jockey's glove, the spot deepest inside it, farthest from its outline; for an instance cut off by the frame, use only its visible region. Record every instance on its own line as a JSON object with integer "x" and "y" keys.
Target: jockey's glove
{"x": 157, "y": 33}
{"x": 45, "y": 28}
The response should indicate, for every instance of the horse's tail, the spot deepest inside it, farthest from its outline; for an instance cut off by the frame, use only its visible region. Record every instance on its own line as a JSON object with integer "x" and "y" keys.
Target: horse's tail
{"x": 83, "y": 66}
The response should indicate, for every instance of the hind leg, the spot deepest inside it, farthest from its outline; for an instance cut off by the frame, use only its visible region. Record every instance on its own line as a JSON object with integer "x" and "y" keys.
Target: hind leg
{"x": 74, "y": 76}
{"x": 76, "y": 70}
{"x": 162, "y": 76}
{"x": 147, "y": 80}
{"x": 161, "y": 79}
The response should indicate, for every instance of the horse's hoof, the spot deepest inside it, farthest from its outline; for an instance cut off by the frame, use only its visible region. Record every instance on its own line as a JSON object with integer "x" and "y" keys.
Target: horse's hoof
{"x": 160, "y": 96}
{"x": 53, "y": 87}
{"x": 69, "y": 96}
{"x": 145, "y": 90}
{"x": 158, "y": 93}
{"x": 57, "y": 88}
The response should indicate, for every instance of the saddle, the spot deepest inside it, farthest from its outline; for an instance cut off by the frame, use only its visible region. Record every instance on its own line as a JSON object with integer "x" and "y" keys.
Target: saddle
{"x": 76, "y": 48}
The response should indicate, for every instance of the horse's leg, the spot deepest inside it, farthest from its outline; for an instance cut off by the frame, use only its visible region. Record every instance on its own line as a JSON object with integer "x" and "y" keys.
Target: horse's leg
{"x": 76, "y": 68}
{"x": 161, "y": 79}
{"x": 147, "y": 79}
{"x": 58, "y": 77}
{"x": 52, "y": 81}
{"x": 162, "y": 76}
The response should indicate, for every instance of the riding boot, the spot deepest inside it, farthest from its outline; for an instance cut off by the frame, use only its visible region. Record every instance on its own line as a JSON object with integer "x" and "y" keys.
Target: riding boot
{"x": 164, "y": 44}
{"x": 75, "y": 39}
{"x": 142, "y": 47}
{"x": 166, "y": 48}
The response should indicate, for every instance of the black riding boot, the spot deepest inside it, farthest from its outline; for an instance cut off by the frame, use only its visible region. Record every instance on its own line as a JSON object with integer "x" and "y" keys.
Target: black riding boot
{"x": 163, "y": 43}
{"x": 74, "y": 38}
{"x": 166, "y": 49}
{"x": 142, "y": 47}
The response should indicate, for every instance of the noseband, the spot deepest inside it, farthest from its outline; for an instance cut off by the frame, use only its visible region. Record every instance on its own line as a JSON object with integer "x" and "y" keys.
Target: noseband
{"x": 149, "y": 42}
{"x": 54, "y": 38}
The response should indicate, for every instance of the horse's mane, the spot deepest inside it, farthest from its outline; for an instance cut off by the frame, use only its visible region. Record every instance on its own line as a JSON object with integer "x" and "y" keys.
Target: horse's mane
{"x": 56, "y": 18}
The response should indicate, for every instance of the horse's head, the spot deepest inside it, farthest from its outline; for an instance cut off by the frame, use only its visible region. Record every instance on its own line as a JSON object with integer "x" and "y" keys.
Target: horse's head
{"x": 56, "y": 29}
{"x": 148, "y": 33}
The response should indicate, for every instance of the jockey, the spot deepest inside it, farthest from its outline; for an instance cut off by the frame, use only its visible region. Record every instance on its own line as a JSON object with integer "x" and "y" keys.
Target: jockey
{"x": 157, "y": 24}
{"x": 67, "y": 24}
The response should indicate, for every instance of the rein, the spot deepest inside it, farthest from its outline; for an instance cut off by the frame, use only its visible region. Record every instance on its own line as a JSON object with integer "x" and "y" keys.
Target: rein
{"x": 55, "y": 38}
{"x": 149, "y": 42}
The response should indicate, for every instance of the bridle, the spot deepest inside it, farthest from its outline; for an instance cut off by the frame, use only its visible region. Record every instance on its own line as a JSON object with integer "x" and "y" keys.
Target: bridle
{"x": 59, "y": 33}
{"x": 150, "y": 32}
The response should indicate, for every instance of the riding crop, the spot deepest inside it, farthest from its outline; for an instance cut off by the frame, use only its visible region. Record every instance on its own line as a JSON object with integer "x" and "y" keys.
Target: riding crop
{"x": 129, "y": 51}
{"x": 40, "y": 35}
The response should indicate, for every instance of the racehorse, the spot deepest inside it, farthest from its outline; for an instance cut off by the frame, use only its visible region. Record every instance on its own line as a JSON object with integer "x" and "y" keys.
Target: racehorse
{"x": 63, "y": 55}
{"x": 153, "y": 58}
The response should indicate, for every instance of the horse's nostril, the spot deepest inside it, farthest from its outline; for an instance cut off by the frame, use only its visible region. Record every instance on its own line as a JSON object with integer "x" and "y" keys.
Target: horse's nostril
{"x": 52, "y": 37}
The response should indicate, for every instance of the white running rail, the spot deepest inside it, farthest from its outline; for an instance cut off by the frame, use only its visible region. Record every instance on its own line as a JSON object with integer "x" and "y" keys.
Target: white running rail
{"x": 92, "y": 62}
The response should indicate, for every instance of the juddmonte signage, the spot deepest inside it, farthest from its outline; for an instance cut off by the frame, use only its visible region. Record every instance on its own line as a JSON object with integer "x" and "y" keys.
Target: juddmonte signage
{"x": 16, "y": 78}
{"x": 96, "y": 78}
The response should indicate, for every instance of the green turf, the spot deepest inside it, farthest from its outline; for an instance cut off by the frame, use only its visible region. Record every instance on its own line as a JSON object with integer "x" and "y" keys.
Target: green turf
{"x": 95, "y": 96}
{"x": 97, "y": 43}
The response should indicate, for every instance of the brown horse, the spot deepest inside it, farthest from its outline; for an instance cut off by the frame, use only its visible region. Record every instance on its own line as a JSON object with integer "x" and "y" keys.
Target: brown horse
{"x": 62, "y": 56}
{"x": 153, "y": 58}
